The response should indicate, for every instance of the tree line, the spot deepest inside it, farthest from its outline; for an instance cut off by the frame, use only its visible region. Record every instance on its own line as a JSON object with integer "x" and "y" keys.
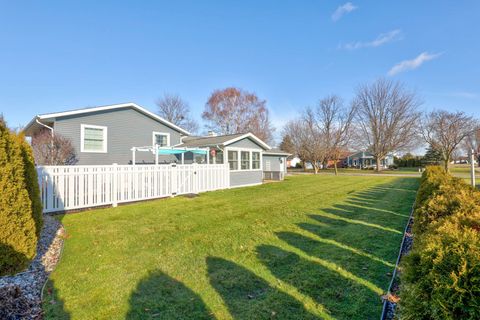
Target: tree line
{"x": 384, "y": 117}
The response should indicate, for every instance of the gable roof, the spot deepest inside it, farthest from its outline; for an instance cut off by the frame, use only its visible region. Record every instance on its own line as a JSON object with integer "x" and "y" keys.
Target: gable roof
{"x": 224, "y": 140}
{"x": 105, "y": 108}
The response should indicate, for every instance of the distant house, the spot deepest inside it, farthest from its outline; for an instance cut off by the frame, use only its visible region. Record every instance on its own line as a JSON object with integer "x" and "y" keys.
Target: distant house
{"x": 129, "y": 134}
{"x": 292, "y": 161}
{"x": 365, "y": 159}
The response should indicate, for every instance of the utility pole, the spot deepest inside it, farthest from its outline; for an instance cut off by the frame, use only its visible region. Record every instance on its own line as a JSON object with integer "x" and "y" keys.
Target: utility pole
{"x": 472, "y": 167}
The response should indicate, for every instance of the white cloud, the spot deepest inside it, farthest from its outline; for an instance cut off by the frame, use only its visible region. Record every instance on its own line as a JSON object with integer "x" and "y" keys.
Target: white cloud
{"x": 342, "y": 10}
{"x": 382, "y": 39}
{"x": 412, "y": 64}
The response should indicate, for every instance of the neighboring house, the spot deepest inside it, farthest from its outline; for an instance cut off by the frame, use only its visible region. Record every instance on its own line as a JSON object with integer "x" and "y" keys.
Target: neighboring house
{"x": 292, "y": 161}
{"x": 108, "y": 134}
{"x": 365, "y": 159}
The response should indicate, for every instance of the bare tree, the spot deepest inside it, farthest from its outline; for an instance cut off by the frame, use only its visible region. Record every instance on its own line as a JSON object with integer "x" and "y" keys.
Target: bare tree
{"x": 335, "y": 121}
{"x": 173, "y": 108}
{"x": 444, "y": 131}
{"x": 52, "y": 149}
{"x": 472, "y": 142}
{"x": 307, "y": 139}
{"x": 233, "y": 110}
{"x": 387, "y": 118}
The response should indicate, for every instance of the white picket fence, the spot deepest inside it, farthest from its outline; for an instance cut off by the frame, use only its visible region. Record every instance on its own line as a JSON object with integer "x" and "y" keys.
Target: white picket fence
{"x": 75, "y": 187}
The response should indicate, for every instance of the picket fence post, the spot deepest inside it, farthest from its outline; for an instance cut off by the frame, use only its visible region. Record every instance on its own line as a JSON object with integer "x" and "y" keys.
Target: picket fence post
{"x": 115, "y": 185}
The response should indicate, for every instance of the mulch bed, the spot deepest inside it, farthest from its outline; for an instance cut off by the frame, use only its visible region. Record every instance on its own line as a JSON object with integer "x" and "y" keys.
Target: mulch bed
{"x": 20, "y": 294}
{"x": 392, "y": 297}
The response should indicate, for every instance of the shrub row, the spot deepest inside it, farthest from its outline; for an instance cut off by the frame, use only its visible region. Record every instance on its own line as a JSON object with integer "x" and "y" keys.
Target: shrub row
{"x": 441, "y": 276}
{"x": 20, "y": 206}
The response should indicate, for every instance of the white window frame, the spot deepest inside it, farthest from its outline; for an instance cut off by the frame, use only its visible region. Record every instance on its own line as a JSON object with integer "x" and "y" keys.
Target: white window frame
{"x": 154, "y": 133}
{"x": 239, "y": 161}
{"x": 82, "y": 138}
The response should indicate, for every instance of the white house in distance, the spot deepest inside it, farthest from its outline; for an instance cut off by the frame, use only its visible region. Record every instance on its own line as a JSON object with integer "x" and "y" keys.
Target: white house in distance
{"x": 130, "y": 134}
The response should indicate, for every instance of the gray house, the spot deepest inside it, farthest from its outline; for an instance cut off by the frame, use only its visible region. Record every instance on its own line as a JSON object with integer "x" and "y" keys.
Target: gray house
{"x": 365, "y": 160}
{"x": 129, "y": 134}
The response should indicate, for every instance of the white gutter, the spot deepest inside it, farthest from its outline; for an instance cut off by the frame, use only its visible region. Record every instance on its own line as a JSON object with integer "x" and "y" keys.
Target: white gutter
{"x": 44, "y": 125}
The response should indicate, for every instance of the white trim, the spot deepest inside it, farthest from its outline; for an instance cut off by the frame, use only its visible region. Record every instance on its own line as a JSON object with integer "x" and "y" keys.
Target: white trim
{"x": 248, "y": 135}
{"x": 82, "y": 137}
{"x": 110, "y": 107}
{"x": 154, "y": 142}
{"x": 239, "y": 161}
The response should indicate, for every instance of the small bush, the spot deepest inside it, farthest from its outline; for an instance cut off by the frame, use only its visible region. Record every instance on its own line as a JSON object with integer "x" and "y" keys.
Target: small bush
{"x": 441, "y": 276}
{"x": 20, "y": 217}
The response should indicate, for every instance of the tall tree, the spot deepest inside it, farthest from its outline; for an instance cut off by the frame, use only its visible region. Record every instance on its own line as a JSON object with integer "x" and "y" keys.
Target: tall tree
{"x": 287, "y": 144}
{"x": 173, "y": 108}
{"x": 233, "y": 110}
{"x": 387, "y": 118}
{"x": 444, "y": 131}
{"x": 334, "y": 121}
{"x": 308, "y": 139}
{"x": 432, "y": 156}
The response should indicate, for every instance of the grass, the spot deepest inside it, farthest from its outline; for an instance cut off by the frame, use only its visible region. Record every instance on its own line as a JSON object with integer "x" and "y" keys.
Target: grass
{"x": 311, "y": 247}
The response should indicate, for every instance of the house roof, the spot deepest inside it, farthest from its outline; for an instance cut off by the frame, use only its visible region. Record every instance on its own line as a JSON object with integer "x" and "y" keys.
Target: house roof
{"x": 277, "y": 152}
{"x": 52, "y": 116}
{"x": 224, "y": 140}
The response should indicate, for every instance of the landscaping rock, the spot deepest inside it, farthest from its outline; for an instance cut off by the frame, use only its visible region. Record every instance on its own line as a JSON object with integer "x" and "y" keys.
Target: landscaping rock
{"x": 20, "y": 294}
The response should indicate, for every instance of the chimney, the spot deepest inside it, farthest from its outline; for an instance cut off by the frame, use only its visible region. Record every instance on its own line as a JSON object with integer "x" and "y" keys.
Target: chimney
{"x": 212, "y": 133}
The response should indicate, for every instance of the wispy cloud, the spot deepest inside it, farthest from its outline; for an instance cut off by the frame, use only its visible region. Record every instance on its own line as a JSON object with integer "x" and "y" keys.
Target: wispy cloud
{"x": 343, "y": 10}
{"x": 382, "y": 39}
{"x": 407, "y": 65}
{"x": 465, "y": 94}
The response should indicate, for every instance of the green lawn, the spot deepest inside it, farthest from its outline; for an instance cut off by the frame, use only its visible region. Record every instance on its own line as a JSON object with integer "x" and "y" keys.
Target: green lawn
{"x": 310, "y": 247}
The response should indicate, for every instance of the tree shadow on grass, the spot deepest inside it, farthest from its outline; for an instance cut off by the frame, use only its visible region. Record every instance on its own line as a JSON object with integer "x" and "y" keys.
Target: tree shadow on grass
{"x": 159, "y": 296}
{"x": 362, "y": 264}
{"x": 344, "y": 298}
{"x": 247, "y": 296}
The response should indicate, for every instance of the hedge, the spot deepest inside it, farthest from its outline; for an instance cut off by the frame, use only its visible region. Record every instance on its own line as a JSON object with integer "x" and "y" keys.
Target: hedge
{"x": 20, "y": 211}
{"x": 440, "y": 278}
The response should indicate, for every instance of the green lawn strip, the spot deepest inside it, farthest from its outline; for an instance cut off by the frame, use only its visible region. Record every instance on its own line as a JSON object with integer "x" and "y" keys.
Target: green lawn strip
{"x": 309, "y": 247}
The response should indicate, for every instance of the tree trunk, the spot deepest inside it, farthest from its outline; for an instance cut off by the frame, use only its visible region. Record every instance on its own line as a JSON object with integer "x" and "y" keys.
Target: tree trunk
{"x": 335, "y": 167}
{"x": 378, "y": 161}
{"x": 315, "y": 167}
{"x": 447, "y": 164}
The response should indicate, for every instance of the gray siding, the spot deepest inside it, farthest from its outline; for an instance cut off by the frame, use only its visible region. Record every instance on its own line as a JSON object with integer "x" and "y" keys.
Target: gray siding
{"x": 245, "y": 143}
{"x": 240, "y": 178}
{"x": 275, "y": 164}
{"x": 127, "y": 128}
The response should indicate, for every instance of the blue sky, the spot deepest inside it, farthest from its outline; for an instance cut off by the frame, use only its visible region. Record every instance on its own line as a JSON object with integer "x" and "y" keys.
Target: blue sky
{"x": 64, "y": 55}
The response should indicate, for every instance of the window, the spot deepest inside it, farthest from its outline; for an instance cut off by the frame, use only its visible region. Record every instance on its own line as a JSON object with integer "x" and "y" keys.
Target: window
{"x": 233, "y": 160}
{"x": 255, "y": 160}
{"x": 161, "y": 138}
{"x": 245, "y": 163}
{"x": 93, "y": 138}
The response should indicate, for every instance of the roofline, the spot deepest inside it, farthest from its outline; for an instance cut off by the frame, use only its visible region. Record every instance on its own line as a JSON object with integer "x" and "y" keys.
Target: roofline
{"x": 248, "y": 135}
{"x": 277, "y": 153}
{"x": 109, "y": 107}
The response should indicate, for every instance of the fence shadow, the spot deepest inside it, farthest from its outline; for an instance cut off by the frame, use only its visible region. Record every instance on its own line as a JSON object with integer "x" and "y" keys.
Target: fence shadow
{"x": 158, "y": 296}
{"x": 247, "y": 296}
